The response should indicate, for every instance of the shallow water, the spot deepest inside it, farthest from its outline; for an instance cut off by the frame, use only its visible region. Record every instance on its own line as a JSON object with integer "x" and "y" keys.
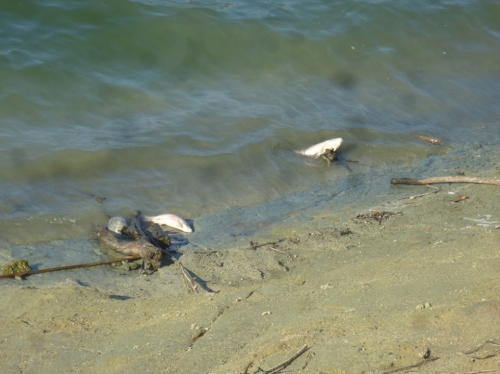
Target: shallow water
{"x": 196, "y": 109}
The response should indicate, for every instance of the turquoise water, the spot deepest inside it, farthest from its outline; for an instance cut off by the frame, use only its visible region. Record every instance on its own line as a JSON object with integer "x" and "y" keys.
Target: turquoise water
{"x": 195, "y": 108}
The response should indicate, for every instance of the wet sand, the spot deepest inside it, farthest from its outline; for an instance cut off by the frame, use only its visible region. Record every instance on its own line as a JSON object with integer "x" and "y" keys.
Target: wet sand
{"x": 421, "y": 287}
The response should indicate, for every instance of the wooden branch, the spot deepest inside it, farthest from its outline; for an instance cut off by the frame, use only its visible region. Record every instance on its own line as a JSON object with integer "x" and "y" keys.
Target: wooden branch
{"x": 421, "y": 363}
{"x": 449, "y": 179}
{"x": 70, "y": 267}
{"x": 287, "y": 362}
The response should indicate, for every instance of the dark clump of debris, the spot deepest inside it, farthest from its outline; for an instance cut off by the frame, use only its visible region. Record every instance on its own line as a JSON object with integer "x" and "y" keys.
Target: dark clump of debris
{"x": 377, "y": 216}
{"x": 345, "y": 232}
{"x": 136, "y": 239}
{"x": 19, "y": 266}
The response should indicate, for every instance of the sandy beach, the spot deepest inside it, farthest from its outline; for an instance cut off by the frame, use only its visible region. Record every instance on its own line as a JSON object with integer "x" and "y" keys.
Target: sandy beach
{"x": 273, "y": 129}
{"x": 414, "y": 291}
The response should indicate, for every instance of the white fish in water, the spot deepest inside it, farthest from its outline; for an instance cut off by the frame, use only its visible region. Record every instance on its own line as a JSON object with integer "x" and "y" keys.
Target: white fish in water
{"x": 321, "y": 148}
{"x": 170, "y": 220}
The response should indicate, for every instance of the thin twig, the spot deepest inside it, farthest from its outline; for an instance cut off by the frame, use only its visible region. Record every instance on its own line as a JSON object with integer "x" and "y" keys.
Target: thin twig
{"x": 284, "y": 364}
{"x": 309, "y": 356}
{"x": 184, "y": 271}
{"x": 474, "y": 372}
{"x": 425, "y": 194}
{"x": 277, "y": 250}
{"x": 70, "y": 267}
{"x": 257, "y": 245}
{"x": 492, "y": 354}
{"x": 421, "y": 363}
{"x": 420, "y": 195}
{"x": 448, "y": 179}
{"x": 188, "y": 277}
{"x": 480, "y": 346}
{"x": 436, "y": 188}
{"x": 245, "y": 371}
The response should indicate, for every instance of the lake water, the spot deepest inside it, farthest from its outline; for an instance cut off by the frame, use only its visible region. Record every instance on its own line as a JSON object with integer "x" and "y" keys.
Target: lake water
{"x": 195, "y": 108}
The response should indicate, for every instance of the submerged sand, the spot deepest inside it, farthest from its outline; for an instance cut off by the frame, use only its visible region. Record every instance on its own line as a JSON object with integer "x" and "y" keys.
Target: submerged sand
{"x": 419, "y": 289}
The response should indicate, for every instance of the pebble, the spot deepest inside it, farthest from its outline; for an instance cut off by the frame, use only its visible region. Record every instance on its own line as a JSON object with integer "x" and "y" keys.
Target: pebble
{"x": 423, "y": 306}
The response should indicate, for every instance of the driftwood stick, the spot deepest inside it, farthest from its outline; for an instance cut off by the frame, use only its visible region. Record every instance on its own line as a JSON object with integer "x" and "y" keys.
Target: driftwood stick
{"x": 421, "y": 363}
{"x": 188, "y": 277}
{"x": 70, "y": 267}
{"x": 257, "y": 245}
{"x": 492, "y": 354}
{"x": 249, "y": 365}
{"x": 284, "y": 364}
{"x": 481, "y": 346}
{"x": 450, "y": 179}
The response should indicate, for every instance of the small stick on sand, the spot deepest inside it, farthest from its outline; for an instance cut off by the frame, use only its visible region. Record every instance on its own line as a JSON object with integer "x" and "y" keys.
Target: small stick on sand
{"x": 284, "y": 364}
{"x": 481, "y": 346}
{"x": 436, "y": 188}
{"x": 256, "y": 245}
{"x": 185, "y": 273}
{"x": 188, "y": 277}
{"x": 493, "y": 354}
{"x": 476, "y": 372}
{"x": 276, "y": 249}
{"x": 70, "y": 267}
{"x": 245, "y": 371}
{"x": 425, "y": 194}
{"x": 421, "y": 363}
{"x": 458, "y": 179}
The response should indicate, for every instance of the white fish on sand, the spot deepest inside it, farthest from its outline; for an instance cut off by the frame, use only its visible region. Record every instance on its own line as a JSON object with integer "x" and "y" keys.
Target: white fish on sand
{"x": 170, "y": 220}
{"x": 319, "y": 149}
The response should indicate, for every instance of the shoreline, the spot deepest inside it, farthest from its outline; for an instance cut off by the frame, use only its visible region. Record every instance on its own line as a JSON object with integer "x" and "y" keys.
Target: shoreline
{"x": 380, "y": 296}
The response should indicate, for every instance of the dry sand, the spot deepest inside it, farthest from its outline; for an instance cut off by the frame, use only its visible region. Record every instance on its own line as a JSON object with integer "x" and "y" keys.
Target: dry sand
{"x": 370, "y": 299}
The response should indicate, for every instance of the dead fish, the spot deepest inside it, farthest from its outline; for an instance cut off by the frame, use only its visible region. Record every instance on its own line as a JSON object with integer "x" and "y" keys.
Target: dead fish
{"x": 170, "y": 220}
{"x": 428, "y": 139}
{"x": 317, "y": 150}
